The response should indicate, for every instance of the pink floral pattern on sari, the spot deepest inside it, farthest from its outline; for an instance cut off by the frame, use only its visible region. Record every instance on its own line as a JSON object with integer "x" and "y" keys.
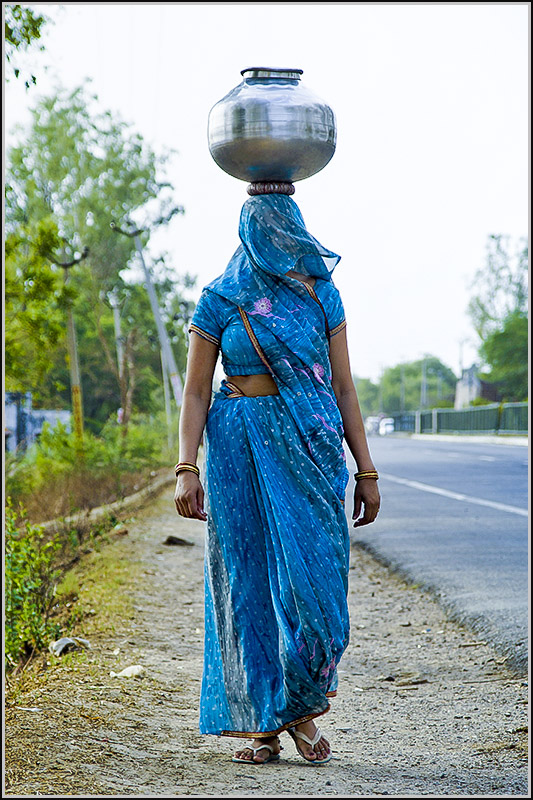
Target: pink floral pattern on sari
{"x": 318, "y": 371}
{"x": 263, "y": 307}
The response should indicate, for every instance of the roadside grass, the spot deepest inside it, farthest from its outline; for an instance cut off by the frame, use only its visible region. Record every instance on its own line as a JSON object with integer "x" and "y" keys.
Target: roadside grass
{"x": 97, "y": 590}
{"x": 93, "y": 600}
{"x": 58, "y": 476}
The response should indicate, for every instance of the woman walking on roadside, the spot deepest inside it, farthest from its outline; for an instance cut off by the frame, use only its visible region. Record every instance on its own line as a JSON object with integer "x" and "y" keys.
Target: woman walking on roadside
{"x": 277, "y": 545}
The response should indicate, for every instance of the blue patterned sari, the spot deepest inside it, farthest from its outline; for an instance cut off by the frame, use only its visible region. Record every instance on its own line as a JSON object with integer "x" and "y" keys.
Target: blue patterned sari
{"x": 277, "y": 547}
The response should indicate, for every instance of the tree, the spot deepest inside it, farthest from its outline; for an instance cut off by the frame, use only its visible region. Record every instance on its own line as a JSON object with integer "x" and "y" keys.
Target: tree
{"x": 506, "y": 352}
{"x": 22, "y": 28}
{"x": 368, "y": 396}
{"x": 83, "y": 168}
{"x": 499, "y": 314}
{"x": 501, "y": 286}
{"x": 401, "y": 386}
{"x": 35, "y": 300}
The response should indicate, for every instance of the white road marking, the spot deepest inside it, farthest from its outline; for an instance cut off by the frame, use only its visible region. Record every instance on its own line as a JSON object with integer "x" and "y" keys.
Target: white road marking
{"x": 426, "y": 487}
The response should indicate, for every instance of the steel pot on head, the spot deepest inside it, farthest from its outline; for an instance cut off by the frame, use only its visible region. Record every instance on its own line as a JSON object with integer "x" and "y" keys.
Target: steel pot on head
{"x": 271, "y": 128}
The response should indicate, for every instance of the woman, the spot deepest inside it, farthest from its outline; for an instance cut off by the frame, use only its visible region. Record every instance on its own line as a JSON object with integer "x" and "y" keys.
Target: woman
{"x": 277, "y": 547}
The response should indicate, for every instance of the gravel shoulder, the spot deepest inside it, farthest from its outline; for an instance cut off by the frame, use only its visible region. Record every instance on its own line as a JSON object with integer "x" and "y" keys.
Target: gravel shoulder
{"x": 424, "y": 708}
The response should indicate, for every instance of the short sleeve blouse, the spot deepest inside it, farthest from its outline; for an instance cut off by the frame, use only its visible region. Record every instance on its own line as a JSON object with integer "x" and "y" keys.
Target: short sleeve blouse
{"x": 218, "y": 321}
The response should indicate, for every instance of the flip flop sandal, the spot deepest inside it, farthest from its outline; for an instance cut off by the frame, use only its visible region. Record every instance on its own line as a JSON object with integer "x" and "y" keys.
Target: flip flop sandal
{"x": 272, "y": 757}
{"x": 316, "y": 762}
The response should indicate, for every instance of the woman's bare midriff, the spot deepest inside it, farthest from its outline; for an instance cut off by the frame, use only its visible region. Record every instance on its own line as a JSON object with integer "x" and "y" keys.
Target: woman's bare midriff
{"x": 254, "y": 385}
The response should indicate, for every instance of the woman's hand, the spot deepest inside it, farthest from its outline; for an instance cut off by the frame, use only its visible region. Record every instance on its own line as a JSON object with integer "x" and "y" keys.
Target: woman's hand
{"x": 189, "y": 496}
{"x": 366, "y": 495}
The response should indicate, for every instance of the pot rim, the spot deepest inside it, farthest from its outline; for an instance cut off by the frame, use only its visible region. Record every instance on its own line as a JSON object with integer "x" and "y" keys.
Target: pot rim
{"x": 272, "y": 72}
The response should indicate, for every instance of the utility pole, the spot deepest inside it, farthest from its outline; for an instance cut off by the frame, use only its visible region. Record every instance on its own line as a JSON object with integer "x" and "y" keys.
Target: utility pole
{"x": 168, "y": 410}
{"x": 462, "y": 343}
{"x": 423, "y": 385}
{"x": 175, "y": 379}
{"x": 74, "y": 365}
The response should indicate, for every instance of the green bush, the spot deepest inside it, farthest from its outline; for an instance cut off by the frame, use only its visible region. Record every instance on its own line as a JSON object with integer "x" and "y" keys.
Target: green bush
{"x": 144, "y": 447}
{"x": 54, "y": 478}
{"x": 57, "y": 477}
{"x": 30, "y": 583}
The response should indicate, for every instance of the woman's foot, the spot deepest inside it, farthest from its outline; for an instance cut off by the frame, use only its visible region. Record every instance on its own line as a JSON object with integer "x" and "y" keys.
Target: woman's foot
{"x": 317, "y": 753}
{"x": 262, "y": 754}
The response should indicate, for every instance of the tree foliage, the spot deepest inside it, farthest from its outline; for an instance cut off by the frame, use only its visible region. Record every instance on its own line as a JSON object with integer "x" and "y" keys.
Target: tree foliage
{"x": 80, "y": 169}
{"x": 506, "y": 351}
{"x": 35, "y": 302}
{"x": 368, "y": 396}
{"x": 401, "y": 385}
{"x": 500, "y": 286}
{"x": 400, "y": 388}
{"x": 22, "y": 27}
{"x": 84, "y": 168}
{"x": 499, "y": 313}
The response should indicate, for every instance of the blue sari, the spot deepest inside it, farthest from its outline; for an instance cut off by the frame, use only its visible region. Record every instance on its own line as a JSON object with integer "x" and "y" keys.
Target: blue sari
{"x": 277, "y": 545}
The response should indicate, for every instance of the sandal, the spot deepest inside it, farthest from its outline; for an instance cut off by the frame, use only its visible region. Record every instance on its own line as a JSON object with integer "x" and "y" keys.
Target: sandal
{"x": 272, "y": 756}
{"x": 316, "y": 738}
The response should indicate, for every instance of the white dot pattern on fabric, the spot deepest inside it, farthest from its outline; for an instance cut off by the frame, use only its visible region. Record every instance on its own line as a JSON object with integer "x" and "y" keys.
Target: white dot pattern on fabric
{"x": 277, "y": 545}
{"x": 277, "y": 541}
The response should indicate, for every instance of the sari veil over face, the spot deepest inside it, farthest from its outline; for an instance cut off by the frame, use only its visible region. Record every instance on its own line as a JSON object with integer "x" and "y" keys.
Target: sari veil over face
{"x": 277, "y": 542}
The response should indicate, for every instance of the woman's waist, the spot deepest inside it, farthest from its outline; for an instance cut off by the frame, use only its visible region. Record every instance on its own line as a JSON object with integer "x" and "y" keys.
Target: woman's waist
{"x": 258, "y": 385}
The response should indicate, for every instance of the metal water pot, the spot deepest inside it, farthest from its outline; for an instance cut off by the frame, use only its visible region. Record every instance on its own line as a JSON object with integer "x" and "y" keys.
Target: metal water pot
{"x": 271, "y": 128}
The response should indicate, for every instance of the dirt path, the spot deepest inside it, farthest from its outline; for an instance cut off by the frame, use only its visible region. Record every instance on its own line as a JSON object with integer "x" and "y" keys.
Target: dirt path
{"x": 421, "y": 709}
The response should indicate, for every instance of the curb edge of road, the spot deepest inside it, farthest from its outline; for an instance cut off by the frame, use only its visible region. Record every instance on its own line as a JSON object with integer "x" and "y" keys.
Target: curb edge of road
{"x": 521, "y": 441}
{"x": 516, "y": 658}
{"x": 119, "y": 506}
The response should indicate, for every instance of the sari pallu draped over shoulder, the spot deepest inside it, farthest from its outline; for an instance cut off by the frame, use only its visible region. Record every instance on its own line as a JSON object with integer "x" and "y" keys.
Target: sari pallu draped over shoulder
{"x": 277, "y": 545}
{"x": 288, "y": 323}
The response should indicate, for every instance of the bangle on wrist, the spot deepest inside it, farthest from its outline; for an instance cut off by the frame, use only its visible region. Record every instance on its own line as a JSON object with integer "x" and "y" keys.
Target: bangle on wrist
{"x": 185, "y": 466}
{"x": 368, "y": 473}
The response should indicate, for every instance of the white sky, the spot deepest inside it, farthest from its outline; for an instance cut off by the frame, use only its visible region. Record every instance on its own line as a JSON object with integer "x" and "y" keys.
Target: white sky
{"x": 433, "y": 140}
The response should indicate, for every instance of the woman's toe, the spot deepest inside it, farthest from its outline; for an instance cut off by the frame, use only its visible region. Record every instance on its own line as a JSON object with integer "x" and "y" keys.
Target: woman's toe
{"x": 322, "y": 750}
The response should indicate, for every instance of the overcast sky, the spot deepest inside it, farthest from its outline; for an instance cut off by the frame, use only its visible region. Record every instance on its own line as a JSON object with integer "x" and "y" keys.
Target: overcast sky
{"x": 432, "y": 112}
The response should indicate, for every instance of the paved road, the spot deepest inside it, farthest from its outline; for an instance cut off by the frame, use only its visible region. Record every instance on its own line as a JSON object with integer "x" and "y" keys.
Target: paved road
{"x": 454, "y": 519}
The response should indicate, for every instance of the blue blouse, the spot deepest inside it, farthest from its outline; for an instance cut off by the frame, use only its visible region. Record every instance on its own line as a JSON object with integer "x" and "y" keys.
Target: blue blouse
{"x": 218, "y": 321}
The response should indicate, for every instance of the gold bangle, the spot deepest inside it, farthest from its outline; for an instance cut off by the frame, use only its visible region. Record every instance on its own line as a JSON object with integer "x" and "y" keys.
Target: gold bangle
{"x": 366, "y": 474}
{"x": 184, "y": 466}
{"x": 186, "y": 469}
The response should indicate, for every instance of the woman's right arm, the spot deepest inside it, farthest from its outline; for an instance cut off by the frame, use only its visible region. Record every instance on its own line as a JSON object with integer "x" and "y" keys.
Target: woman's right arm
{"x": 201, "y": 361}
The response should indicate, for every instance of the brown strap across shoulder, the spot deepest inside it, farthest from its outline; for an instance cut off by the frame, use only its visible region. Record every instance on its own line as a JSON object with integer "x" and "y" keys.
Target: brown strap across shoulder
{"x": 253, "y": 338}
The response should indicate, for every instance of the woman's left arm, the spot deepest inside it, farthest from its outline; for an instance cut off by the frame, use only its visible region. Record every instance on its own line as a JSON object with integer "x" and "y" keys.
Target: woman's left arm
{"x": 366, "y": 496}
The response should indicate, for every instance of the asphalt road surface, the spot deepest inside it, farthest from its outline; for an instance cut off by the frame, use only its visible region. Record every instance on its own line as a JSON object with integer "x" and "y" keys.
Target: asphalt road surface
{"x": 454, "y": 519}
